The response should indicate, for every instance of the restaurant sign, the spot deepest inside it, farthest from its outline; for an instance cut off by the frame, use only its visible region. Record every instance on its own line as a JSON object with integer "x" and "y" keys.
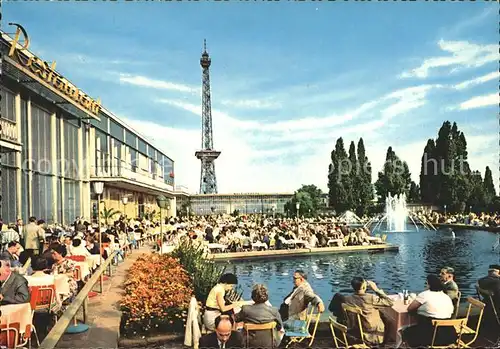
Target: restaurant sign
{"x": 46, "y": 73}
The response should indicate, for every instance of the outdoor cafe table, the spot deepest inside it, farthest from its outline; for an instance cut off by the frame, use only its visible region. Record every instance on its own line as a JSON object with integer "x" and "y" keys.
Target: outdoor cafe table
{"x": 398, "y": 319}
{"x": 60, "y": 281}
{"x": 16, "y": 313}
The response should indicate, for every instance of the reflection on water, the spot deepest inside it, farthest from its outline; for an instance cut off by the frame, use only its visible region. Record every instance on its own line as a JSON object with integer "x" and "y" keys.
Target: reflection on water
{"x": 420, "y": 253}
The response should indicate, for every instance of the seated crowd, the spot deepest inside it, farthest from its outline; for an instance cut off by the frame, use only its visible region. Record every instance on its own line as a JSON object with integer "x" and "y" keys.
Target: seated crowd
{"x": 229, "y": 318}
{"x": 35, "y": 257}
{"x": 230, "y": 234}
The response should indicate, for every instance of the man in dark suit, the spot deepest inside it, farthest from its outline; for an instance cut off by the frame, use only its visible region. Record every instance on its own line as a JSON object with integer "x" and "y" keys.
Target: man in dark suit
{"x": 14, "y": 289}
{"x": 11, "y": 253}
{"x": 223, "y": 337}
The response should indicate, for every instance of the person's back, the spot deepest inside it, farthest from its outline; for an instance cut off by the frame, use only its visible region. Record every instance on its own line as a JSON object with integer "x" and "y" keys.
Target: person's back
{"x": 435, "y": 305}
{"x": 372, "y": 323}
{"x": 261, "y": 313}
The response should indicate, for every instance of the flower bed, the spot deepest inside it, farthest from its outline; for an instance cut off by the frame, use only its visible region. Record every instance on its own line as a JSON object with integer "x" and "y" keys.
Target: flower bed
{"x": 157, "y": 295}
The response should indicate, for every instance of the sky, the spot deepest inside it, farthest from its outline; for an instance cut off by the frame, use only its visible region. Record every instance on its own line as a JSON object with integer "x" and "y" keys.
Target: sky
{"x": 287, "y": 79}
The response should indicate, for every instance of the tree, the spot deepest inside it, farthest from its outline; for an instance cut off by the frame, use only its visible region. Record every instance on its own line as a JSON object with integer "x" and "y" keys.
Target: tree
{"x": 414, "y": 193}
{"x": 338, "y": 175}
{"x": 476, "y": 198}
{"x": 363, "y": 180}
{"x": 428, "y": 172}
{"x": 445, "y": 176}
{"x": 108, "y": 213}
{"x": 488, "y": 187}
{"x": 394, "y": 178}
{"x": 352, "y": 179}
{"x": 310, "y": 199}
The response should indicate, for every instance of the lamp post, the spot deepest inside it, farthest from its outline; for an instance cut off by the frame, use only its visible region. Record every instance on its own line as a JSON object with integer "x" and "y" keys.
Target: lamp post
{"x": 274, "y": 210}
{"x": 470, "y": 209}
{"x": 187, "y": 209}
{"x": 445, "y": 210}
{"x": 98, "y": 189}
{"x": 124, "y": 202}
{"x": 297, "y": 206}
{"x": 162, "y": 203}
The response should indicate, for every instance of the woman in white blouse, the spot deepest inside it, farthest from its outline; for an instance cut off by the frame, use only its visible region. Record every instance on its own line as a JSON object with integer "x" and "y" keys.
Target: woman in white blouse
{"x": 432, "y": 304}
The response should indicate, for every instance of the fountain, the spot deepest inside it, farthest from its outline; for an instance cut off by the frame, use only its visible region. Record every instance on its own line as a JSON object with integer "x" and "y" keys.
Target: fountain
{"x": 396, "y": 214}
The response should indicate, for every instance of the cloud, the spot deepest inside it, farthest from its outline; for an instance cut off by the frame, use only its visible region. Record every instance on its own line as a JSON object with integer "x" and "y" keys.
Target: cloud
{"x": 143, "y": 81}
{"x": 461, "y": 54}
{"x": 480, "y": 101}
{"x": 477, "y": 81}
{"x": 252, "y": 104}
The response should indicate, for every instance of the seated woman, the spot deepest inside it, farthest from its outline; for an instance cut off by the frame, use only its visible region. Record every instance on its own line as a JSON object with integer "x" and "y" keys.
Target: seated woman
{"x": 63, "y": 265}
{"x": 432, "y": 304}
{"x": 216, "y": 304}
{"x": 260, "y": 313}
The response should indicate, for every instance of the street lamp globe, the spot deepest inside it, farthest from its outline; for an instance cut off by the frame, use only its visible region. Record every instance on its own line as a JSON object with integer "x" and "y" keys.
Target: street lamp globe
{"x": 98, "y": 187}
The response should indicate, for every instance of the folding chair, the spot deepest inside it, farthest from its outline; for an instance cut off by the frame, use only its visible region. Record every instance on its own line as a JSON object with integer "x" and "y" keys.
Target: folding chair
{"x": 487, "y": 297}
{"x": 42, "y": 298}
{"x": 269, "y": 326}
{"x": 467, "y": 330}
{"x": 357, "y": 314}
{"x": 9, "y": 335}
{"x": 334, "y": 325}
{"x": 300, "y": 328}
{"x": 456, "y": 304}
{"x": 458, "y": 324}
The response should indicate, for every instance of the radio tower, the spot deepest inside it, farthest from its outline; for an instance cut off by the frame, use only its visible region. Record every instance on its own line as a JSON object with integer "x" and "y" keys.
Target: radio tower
{"x": 207, "y": 155}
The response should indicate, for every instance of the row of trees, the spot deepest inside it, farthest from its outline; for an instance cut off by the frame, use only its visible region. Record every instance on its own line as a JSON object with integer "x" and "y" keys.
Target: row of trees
{"x": 445, "y": 177}
{"x": 349, "y": 178}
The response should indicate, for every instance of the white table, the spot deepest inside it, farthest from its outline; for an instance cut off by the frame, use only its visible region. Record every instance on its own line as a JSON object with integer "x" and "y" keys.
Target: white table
{"x": 16, "y": 313}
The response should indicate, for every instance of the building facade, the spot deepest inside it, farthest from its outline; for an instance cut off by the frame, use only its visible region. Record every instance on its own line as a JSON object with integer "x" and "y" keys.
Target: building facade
{"x": 55, "y": 141}
{"x": 244, "y": 203}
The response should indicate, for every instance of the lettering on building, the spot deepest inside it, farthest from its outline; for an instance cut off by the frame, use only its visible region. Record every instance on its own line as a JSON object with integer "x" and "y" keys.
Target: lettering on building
{"x": 47, "y": 71}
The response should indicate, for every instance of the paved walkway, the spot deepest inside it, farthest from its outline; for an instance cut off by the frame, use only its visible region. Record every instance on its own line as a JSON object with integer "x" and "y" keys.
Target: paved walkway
{"x": 104, "y": 311}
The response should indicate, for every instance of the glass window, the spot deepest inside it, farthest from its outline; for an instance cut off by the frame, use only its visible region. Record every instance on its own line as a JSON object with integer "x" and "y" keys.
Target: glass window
{"x": 25, "y": 197}
{"x": 8, "y": 105}
{"x": 168, "y": 170}
{"x": 9, "y": 193}
{"x": 134, "y": 159}
{"x": 101, "y": 125}
{"x": 70, "y": 163}
{"x": 116, "y": 130}
{"x": 24, "y": 133}
{"x": 131, "y": 139}
{"x": 41, "y": 142}
{"x": 43, "y": 197}
{"x": 72, "y": 200}
{"x": 143, "y": 147}
{"x": 151, "y": 152}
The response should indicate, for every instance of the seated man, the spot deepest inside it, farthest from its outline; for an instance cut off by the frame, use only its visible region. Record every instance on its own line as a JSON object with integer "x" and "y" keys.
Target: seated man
{"x": 223, "y": 337}
{"x": 450, "y": 287}
{"x": 373, "y": 326}
{"x": 11, "y": 253}
{"x": 14, "y": 288}
{"x": 490, "y": 285}
{"x": 295, "y": 304}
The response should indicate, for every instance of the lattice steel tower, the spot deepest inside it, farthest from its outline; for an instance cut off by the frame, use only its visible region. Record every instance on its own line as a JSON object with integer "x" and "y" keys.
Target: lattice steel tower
{"x": 207, "y": 155}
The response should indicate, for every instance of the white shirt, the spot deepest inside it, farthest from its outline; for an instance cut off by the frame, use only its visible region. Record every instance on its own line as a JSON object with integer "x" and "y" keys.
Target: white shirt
{"x": 436, "y": 305}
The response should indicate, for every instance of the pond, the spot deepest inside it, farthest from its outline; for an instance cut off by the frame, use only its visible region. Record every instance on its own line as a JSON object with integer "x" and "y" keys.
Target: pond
{"x": 420, "y": 253}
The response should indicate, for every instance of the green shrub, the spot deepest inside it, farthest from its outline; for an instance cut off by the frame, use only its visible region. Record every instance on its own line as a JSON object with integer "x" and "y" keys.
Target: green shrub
{"x": 205, "y": 273}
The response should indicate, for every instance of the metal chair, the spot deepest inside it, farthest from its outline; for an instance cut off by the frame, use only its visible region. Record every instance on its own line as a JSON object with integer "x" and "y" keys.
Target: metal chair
{"x": 334, "y": 325}
{"x": 487, "y": 296}
{"x": 298, "y": 336}
{"x": 269, "y": 326}
{"x": 458, "y": 324}
{"x": 357, "y": 313}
